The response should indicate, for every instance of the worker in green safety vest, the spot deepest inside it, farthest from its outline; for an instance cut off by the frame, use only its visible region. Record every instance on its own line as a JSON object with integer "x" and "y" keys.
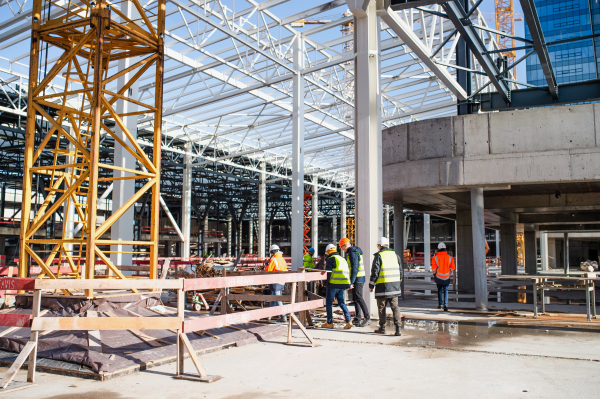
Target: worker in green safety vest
{"x": 386, "y": 275}
{"x": 337, "y": 283}
{"x": 309, "y": 263}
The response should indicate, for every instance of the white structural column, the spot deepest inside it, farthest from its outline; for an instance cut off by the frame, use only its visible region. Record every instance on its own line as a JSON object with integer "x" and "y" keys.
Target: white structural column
{"x": 498, "y": 243}
{"x": 478, "y": 228}
{"x": 251, "y": 236}
{"x": 367, "y": 130}
{"x": 262, "y": 212}
{"x": 343, "y": 216}
{"x": 544, "y": 251}
{"x": 427, "y": 242}
{"x": 123, "y": 190}
{"x": 334, "y": 231}
{"x": 229, "y": 236}
{"x": 386, "y": 221}
{"x": 186, "y": 211}
{"x": 239, "y": 237}
{"x": 297, "y": 228}
{"x": 314, "y": 227}
{"x": 399, "y": 230}
{"x": 205, "y": 235}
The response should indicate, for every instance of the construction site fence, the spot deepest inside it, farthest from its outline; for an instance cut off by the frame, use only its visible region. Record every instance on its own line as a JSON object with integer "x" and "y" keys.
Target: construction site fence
{"x": 176, "y": 321}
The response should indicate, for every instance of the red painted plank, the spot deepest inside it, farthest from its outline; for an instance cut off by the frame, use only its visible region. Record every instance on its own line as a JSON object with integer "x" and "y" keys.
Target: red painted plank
{"x": 15, "y": 320}
{"x": 241, "y": 281}
{"x": 204, "y": 323}
{"x": 15, "y": 283}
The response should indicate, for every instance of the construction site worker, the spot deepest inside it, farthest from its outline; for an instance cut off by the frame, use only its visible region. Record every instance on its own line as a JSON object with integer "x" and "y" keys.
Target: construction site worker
{"x": 338, "y": 281}
{"x": 276, "y": 263}
{"x": 442, "y": 265}
{"x": 309, "y": 263}
{"x": 354, "y": 257}
{"x": 386, "y": 275}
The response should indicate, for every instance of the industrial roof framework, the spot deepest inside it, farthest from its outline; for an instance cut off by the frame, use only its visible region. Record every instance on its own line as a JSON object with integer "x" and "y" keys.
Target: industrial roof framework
{"x": 228, "y": 92}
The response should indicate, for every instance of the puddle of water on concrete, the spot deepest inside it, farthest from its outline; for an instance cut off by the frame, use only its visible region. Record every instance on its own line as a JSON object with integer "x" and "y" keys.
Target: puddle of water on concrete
{"x": 448, "y": 333}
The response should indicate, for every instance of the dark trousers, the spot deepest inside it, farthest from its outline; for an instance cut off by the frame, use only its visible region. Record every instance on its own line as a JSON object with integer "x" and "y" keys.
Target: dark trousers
{"x": 359, "y": 301}
{"x": 381, "y": 304}
{"x": 443, "y": 294}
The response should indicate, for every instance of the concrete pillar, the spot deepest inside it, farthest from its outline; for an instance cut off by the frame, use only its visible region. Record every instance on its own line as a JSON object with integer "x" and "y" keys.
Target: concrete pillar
{"x": 464, "y": 248}
{"x": 297, "y": 216}
{"x": 229, "y": 236}
{"x": 314, "y": 227}
{"x": 186, "y": 210}
{"x": 544, "y": 251}
{"x": 566, "y": 253}
{"x": 552, "y": 261}
{"x": 262, "y": 212}
{"x": 343, "y": 216}
{"x": 367, "y": 130}
{"x": 478, "y": 229}
{"x": 427, "y": 242}
{"x": 508, "y": 244}
{"x": 530, "y": 252}
{"x": 398, "y": 235}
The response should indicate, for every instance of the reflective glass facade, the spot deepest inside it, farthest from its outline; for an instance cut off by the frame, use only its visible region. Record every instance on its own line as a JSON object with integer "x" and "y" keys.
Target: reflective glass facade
{"x": 574, "y": 61}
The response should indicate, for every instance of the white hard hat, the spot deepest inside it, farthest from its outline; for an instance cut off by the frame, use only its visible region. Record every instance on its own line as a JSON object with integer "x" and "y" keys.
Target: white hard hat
{"x": 329, "y": 248}
{"x": 441, "y": 245}
{"x": 383, "y": 241}
{"x": 274, "y": 248}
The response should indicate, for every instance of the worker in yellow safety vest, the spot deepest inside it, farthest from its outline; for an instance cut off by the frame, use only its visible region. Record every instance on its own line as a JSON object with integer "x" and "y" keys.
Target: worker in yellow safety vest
{"x": 386, "y": 276}
{"x": 338, "y": 282}
{"x": 276, "y": 264}
{"x": 442, "y": 266}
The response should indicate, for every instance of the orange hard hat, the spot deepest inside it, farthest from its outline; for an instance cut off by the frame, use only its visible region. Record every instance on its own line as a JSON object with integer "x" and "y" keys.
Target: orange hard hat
{"x": 343, "y": 241}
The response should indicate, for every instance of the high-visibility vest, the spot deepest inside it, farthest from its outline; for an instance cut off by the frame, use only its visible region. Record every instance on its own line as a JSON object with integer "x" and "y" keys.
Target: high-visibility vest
{"x": 442, "y": 265}
{"x": 341, "y": 272}
{"x": 361, "y": 265}
{"x": 277, "y": 263}
{"x": 389, "y": 272}
{"x": 308, "y": 261}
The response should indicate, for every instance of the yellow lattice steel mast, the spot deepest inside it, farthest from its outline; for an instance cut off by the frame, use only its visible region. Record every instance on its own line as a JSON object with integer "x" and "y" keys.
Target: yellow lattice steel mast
{"x": 93, "y": 36}
{"x": 505, "y": 22}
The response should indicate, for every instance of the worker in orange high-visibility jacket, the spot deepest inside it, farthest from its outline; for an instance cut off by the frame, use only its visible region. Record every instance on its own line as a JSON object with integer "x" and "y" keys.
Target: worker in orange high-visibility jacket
{"x": 276, "y": 263}
{"x": 442, "y": 265}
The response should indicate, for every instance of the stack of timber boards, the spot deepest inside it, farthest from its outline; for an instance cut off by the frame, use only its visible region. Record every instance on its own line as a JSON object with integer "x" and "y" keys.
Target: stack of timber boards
{"x": 121, "y": 352}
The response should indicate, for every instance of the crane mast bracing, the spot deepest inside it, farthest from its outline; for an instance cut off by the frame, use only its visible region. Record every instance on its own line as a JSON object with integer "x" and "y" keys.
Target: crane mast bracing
{"x": 505, "y": 22}
{"x": 93, "y": 37}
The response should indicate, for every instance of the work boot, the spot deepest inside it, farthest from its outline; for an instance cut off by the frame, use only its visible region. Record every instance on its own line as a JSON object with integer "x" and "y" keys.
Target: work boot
{"x": 366, "y": 322}
{"x": 283, "y": 318}
{"x": 348, "y": 325}
{"x": 445, "y": 308}
{"x": 356, "y": 321}
{"x": 439, "y": 306}
{"x": 398, "y": 332}
{"x": 380, "y": 330}
{"x": 327, "y": 325}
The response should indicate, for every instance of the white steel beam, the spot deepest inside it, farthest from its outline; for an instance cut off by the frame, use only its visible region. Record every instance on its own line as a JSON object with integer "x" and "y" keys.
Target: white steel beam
{"x": 262, "y": 211}
{"x": 186, "y": 212}
{"x": 314, "y": 228}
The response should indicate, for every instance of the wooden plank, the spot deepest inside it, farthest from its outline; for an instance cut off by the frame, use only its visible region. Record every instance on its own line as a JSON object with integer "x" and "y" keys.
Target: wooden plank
{"x": 15, "y": 320}
{"x": 112, "y": 284}
{"x": 35, "y": 313}
{"x": 241, "y": 281}
{"x": 192, "y": 352}
{"x": 15, "y": 283}
{"x": 94, "y": 340}
{"x": 217, "y": 301}
{"x": 16, "y": 366}
{"x": 259, "y": 298}
{"x": 302, "y": 328}
{"x": 290, "y": 321}
{"x": 204, "y": 323}
{"x": 119, "y": 323}
{"x": 17, "y": 386}
{"x": 202, "y": 332}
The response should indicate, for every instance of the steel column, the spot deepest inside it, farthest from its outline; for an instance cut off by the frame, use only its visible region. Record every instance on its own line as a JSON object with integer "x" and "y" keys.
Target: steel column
{"x": 314, "y": 228}
{"x": 186, "y": 209}
{"x": 297, "y": 215}
{"x": 262, "y": 211}
{"x": 367, "y": 130}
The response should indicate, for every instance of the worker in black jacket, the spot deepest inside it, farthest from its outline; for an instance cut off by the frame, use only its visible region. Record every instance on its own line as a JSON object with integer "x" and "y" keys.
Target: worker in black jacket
{"x": 386, "y": 276}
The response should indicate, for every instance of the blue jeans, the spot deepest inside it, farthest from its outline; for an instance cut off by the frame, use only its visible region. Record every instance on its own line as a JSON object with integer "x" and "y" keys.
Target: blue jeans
{"x": 335, "y": 293}
{"x": 443, "y": 294}
{"x": 276, "y": 289}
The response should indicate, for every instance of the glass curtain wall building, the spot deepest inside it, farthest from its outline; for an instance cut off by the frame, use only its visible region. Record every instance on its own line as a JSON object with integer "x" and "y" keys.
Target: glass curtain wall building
{"x": 574, "y": 61}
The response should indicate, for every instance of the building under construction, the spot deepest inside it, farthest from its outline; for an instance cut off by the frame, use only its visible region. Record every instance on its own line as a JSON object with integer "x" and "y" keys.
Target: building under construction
{"x": 179, "y": 177}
